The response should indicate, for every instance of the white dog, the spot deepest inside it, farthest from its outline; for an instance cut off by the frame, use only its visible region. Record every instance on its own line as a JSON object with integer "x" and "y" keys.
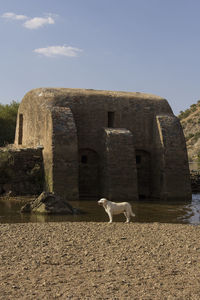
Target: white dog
{"x": 113, "y": 208}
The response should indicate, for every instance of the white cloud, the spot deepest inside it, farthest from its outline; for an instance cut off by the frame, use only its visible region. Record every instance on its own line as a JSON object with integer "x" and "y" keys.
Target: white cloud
{"x": 37, "y": 22}
{"x": 13, "y": 16}
{"x": 54, "y": 51}
{"x": 31, "y": 23}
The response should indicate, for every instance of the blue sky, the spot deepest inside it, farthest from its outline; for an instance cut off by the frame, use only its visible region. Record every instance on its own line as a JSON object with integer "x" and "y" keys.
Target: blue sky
{"x": 150, "y": 46}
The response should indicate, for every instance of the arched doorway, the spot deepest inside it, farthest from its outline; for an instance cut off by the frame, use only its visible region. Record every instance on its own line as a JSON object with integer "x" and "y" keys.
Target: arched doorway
{"x": 89, "y": 181}
{"x": 143, "y": 163}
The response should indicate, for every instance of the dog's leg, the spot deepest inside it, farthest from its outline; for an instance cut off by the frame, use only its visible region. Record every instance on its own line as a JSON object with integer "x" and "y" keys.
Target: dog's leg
{"x": 110, "y": 216}
{"x": 127, "y": 215}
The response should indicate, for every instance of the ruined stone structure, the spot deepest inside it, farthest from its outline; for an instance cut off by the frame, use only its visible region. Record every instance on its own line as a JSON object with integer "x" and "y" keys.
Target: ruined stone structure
{"x": 105, "y": 144}
{"x": 21, "y": 171}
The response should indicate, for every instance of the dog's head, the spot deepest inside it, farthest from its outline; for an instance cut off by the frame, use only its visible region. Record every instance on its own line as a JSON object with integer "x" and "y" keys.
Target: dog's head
{"x": 102, "y": 201}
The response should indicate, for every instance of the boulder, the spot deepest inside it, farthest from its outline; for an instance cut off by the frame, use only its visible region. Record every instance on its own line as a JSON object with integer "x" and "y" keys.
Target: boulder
{"x": 49, "y": 203}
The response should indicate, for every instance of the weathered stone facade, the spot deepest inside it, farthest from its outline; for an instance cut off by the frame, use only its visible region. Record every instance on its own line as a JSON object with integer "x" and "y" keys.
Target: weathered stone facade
{"x": 21, "y": 171}
{"x": 105, "y": 144}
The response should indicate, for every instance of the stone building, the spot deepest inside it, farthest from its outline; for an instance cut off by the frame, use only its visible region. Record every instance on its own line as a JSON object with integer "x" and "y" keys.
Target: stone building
{"x": 119, "y": 145}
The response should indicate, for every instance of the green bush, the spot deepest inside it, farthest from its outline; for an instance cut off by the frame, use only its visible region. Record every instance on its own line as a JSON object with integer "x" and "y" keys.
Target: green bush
{"x": 8, "y": 116}
{"x": 187, "y": 112}
{"x": 184, "y": 114}
{"x": 193, "y": 106}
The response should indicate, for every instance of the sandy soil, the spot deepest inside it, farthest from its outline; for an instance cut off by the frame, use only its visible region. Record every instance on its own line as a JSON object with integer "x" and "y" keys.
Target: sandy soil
{"x": 99, "y": 261}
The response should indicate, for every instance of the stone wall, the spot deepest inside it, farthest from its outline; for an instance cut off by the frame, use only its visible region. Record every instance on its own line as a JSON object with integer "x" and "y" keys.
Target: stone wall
{"x": 21, "y": 171}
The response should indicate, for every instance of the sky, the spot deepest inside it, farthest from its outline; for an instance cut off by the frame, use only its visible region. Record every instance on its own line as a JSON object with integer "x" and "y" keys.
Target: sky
{"x": 150, "y": 46}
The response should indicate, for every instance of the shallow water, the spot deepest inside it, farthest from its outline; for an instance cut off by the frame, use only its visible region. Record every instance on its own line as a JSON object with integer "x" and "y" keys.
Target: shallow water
{"x": 146, "y": 211}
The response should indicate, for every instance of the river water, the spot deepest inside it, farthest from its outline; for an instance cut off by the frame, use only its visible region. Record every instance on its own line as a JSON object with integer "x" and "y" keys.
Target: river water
{"x": 146, "y": 211}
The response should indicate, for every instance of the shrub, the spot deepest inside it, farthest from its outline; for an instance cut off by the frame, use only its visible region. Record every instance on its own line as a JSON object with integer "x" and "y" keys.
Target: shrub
{"x": 184, "y": 114}
{"x": 187, "y": 112}
{"x": 8, "y": 116}
{"x": 193, "y": 106}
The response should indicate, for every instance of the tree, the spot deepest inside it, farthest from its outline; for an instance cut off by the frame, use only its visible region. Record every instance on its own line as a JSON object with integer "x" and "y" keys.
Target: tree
{"x": 8, "y": 117}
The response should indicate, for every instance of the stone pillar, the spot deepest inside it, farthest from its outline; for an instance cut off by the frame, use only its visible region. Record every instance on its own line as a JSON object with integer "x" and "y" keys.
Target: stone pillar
{"x": 174, "y": 161}
{"x": 64, "y": 154}
{"x": 119, "y": 165}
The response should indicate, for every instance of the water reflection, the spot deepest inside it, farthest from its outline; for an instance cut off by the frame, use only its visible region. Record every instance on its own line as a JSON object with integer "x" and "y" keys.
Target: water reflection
{"x": 146, "y": 211}
{"x": 194, "y": 209}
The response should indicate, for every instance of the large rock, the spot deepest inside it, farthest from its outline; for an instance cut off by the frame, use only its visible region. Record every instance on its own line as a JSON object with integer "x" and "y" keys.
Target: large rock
{"x": 49, "y": 203}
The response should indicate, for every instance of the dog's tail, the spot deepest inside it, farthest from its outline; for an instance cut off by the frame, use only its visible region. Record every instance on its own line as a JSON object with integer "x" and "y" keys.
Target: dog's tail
{"x": 132, "y": 213}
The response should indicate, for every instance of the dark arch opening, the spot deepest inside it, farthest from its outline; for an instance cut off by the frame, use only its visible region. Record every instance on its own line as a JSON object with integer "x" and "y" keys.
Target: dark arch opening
{"x": 89, "y": 181}
{"x": 143, "y": 164}
{"x": 111, "y": 119}
{"x": 20, "y": 132}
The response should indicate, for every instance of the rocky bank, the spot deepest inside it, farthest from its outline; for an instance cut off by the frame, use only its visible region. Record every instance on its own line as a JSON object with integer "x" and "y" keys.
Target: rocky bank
{"x": 190, "y": 121}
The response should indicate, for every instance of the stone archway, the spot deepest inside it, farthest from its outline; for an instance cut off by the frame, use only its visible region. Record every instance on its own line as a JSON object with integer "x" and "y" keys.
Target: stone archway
{"x": 89, "y": 181}
{"x": 143, "y": 163}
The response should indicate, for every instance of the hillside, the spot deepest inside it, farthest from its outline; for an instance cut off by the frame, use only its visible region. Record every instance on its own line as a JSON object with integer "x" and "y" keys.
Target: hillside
{"x": 190, "y": 121}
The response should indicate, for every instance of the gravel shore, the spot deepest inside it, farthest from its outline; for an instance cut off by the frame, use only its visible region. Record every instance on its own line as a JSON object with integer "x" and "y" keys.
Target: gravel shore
{"x": 99, "y": 261}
